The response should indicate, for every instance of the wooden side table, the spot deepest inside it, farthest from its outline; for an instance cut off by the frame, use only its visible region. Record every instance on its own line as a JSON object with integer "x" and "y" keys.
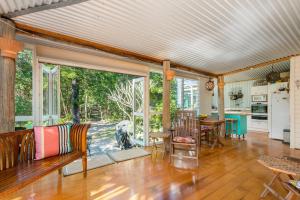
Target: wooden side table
{"x": 293, "y": 191}
{"x": 155, "y": 136}
{"x": 279, "y": 166}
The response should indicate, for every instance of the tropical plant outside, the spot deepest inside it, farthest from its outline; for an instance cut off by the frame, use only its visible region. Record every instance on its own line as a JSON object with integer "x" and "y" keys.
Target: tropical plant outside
{"x": 103, "y": 96}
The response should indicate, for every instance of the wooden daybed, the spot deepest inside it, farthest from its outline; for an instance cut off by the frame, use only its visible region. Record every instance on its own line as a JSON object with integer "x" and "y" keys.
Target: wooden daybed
{"x": 18, "y": 167}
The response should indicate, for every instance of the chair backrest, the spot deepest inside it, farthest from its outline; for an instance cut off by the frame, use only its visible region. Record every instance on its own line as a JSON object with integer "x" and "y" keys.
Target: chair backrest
{"x": 187, "y": 126}
{"x": 183, "y": 114}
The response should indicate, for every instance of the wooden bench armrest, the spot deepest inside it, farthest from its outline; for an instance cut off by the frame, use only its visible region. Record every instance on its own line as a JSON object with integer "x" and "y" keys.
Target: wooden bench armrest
{"x": 79, "y": 142}
{"x": 79, "y": 137}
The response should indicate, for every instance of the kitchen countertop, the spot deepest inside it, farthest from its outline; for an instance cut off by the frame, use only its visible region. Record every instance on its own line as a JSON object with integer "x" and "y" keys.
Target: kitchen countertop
{"x": 235, "y": 112}
{"x": 238, "y": 112}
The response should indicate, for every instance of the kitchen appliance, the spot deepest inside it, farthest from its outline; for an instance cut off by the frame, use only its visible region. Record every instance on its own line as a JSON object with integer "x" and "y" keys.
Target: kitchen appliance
{"x": 280, "y": 117}
{"x": 260, "y": 98}
{"x": 259, "y": 117}
{"x": 259, "y": 108}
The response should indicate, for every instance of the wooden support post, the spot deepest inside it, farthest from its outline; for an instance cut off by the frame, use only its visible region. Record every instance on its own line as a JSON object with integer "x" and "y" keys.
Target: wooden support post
{"x": 221, "y": 109}
{"x": 166, "y": 117}
{"x": 9, "y": 48}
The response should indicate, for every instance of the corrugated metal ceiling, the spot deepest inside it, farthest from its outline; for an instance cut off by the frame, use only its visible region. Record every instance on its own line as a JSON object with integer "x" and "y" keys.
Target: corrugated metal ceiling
{"x": 258, "y": 73}
{"x": 213, "y": 35}
{"x": 8, "y": 6}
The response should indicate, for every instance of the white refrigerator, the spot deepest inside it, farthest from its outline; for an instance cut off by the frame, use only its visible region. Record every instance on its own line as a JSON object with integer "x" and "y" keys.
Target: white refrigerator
{"x": 280, "y": 114}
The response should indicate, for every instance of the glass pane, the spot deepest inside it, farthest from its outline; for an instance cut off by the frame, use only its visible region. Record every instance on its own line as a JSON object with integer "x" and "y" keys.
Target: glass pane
{"x": 156, "y": 98}
{"x": 138, "y": 96}
{"x": 187, "y": 98}
{"x": 55, "y": 79}
{"x": 46, "y": 72}
{"x": 21, "y": 125}
{"x": 23, "y": 88}
{"x": 139, "y": 128}
{"x": 156, "y": 92}
{"x": 50, "y": 94}
{"x": 173, "y": 99}
{"x": 196, "y": 99}
{"x": 156, "y": 123}
{"x": 191, "y": 94}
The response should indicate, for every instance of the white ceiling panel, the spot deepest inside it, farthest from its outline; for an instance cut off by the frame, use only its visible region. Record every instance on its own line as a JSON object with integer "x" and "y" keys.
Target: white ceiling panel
{"x": 258, "y": 73}
{"x": 9, "y": 6}
{"x": 212, "y": 35}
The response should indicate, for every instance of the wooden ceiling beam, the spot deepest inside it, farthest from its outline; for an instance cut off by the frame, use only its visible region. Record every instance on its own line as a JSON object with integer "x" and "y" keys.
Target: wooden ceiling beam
{"x": 192, "y": 70}
{"x": 55, "y": 5}
{"x": 34, "y": 31}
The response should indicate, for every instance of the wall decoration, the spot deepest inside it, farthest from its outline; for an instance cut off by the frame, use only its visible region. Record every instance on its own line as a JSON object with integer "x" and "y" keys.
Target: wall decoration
{"x": 209, "y": 85}
{"x": 273, "y": 76}
{"x": 236, "y": 95}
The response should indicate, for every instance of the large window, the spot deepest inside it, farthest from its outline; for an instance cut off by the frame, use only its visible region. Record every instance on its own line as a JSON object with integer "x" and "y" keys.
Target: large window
{"x": 156, "y": 95}
{"x": 156, "y": 101}
{"x": 187, "y": 94}
{"x": 23, "y": 90}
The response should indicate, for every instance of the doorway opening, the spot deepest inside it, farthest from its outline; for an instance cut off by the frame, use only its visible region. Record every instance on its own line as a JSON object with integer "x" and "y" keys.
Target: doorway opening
{"x": 110, "y": 101}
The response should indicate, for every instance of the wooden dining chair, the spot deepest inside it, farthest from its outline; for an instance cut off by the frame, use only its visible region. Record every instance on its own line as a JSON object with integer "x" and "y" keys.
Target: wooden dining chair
{"x": 184, "y": 138}
{"x": 181, "y": 114}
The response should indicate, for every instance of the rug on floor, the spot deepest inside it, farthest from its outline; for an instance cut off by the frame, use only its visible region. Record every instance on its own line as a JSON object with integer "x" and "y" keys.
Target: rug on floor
{"x": 128, "y": 154}
{"x": 92, "y": 163}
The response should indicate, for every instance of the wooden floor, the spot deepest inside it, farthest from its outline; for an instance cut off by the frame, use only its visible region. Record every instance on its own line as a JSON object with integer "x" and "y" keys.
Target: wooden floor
{"x": 230, "y": 172}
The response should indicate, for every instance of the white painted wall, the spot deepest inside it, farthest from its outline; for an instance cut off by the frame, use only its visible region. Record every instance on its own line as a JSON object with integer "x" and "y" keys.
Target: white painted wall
{"x": 295, "y": 103}
{"x": 245, "y": 102}
{"x": 215, "y": 95}
{"x": 205, "y": 99}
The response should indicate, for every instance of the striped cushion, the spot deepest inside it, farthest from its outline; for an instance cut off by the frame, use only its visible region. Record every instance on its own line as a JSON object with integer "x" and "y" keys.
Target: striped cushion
{"x": 64, "y": 139}
{"x": 46, "y": 142}
{"x": 52, "y": 141}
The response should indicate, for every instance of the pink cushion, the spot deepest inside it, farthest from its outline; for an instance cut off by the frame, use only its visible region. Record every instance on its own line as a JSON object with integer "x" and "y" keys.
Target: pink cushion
{"x": 187, "y": 139}
{"x": 46, "y": 142}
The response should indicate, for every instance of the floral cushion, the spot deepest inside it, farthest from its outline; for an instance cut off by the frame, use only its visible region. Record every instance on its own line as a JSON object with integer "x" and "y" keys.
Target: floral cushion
{"x": 186, "y": 139}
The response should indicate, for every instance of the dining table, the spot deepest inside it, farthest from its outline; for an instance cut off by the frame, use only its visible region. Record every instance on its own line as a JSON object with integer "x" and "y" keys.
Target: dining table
{"x": 215, "y": 126}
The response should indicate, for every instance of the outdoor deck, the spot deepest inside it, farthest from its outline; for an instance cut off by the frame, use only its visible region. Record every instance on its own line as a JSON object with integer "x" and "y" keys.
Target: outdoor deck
{"x": 231, "y": 172}
{"x": 102, "y": 138}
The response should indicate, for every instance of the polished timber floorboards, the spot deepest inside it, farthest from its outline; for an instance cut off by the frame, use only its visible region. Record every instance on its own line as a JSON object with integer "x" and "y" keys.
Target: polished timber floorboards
{"x": 231, "y": 172}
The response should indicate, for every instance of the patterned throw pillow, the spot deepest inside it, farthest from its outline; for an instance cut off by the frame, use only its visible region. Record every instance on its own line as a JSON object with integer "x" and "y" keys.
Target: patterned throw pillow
{"x": 52, "y": 141}
{"x": 64, "y": 139}
{"x": 46, "y": 142}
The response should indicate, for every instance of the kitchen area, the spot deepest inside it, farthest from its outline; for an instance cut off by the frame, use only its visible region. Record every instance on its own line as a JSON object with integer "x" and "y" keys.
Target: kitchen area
{"x": 259, "y": 100}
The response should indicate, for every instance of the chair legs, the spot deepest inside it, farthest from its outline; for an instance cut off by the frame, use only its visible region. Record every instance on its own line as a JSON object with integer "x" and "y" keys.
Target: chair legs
{"x": 194, "y": 151}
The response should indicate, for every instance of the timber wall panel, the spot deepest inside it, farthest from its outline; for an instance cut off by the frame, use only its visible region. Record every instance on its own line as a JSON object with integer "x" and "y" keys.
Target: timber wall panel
{"x": 295, "y": 103}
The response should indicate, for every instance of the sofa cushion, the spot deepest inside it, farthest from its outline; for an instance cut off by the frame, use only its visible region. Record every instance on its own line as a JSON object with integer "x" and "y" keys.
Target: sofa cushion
{"x": 187, "y": 139}
{"x": 64, "y": 139}
{"x": 46, "y": 141}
